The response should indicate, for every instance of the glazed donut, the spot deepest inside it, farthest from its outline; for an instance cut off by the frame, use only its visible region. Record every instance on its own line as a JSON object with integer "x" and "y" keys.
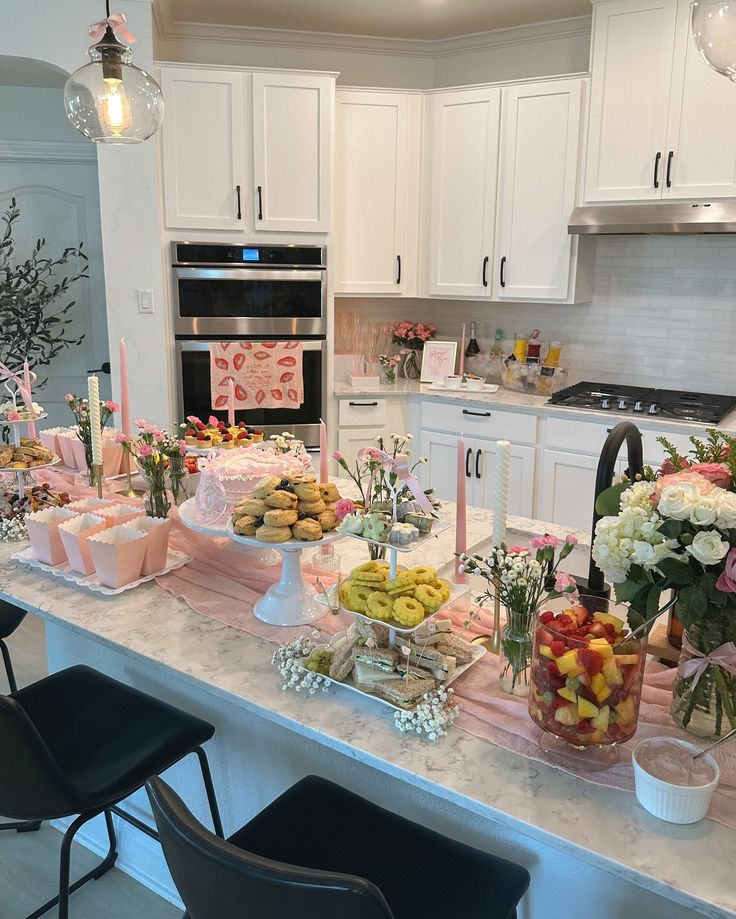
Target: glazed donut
{"x": 278, "y": 518}
{"x": 307, "y": 491}
{"x": 380, "y": 606}
{"x": 423, "y": 574}
{"x": 329, "y": 492}
{"x": 358, "y": 598}
{"x": 429, "y": 597}
{"x": 408, "y": 611}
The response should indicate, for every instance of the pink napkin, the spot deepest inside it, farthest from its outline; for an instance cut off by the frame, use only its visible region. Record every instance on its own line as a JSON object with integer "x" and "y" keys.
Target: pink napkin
{"x": 266, "y": 374}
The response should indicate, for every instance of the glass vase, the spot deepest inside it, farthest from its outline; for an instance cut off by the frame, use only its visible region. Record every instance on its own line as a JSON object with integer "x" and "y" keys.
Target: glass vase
{"x": 388, "y": 375}
{"x": 156, "y": 497}
{"x": 178, "y": 479}
{"x": 410, "y": 368}
{"x": 704, "y": 697}
{"x": 515, "y": 661}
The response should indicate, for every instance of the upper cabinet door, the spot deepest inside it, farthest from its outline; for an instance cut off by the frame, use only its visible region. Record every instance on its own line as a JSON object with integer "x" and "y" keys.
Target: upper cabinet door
{"x": 203, "y": 144}
{"x": 633, "y": 46}
{"x": 292, "y": 151}
{"x": 701, "y": 135}
{"x": 464, "y": 165}
{"x": 540, "y": 147}
{"x": 372, "y": 191}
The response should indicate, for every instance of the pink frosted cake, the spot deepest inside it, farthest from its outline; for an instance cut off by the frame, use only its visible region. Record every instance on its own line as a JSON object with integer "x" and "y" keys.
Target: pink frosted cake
{"x": 238, "y": 471}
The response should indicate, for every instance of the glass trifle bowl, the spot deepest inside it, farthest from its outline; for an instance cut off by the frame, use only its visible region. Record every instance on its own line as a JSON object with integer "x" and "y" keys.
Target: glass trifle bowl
{"x": 586, "y": 679}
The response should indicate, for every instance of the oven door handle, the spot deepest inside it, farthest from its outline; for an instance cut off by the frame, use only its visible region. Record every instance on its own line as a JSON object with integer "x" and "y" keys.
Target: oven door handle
{"x": 199, "y": 345}
{"x": 249, "y": 274}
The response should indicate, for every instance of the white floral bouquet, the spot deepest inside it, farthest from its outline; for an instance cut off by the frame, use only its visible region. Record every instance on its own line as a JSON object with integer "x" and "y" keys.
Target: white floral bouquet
{"x": 675, "y": 530}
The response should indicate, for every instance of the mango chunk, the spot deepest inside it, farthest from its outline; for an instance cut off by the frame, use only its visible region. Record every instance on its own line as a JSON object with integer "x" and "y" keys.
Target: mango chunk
{"x": 568, "y": 694}
{"x": 618, "y": 624}
{"x": 586, "y": 709}
{"x": 546, "y": 651}
{"x": 612, "y": 673}
{"x": 598, "y": 682}
{"x": 602, "y": 646}
{"x": 604, "y": 693}
{"x": 568, "y": 661}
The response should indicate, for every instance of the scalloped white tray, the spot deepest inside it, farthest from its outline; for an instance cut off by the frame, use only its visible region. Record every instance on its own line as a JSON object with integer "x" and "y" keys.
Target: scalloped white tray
{"x": 55, "y": 462}
{"x": 439, "y": 526}
{"x": 28, "y": 558}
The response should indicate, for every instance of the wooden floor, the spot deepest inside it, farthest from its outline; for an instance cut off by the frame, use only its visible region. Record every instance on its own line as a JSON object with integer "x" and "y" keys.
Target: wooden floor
{"x": 29, "y": 861}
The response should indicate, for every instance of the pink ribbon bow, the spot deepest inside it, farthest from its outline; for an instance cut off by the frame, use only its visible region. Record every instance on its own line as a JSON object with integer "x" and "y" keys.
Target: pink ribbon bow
{"x": 116, "y": 21}
{"x": 7, "y": 374}
{"x": 400, "y": 465}
{"x": 724, "y": 656}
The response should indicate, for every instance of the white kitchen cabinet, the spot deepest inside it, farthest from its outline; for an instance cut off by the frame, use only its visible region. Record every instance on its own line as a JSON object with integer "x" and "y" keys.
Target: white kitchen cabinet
{"x": 203, "y": 146}
{"x": 463, "y": 143}
{"x": 292, "y": 151}
{"x": 700, "y": 157}
{"x": 536, "y": 258}
{"x": 633, "y": 48}
{"x": 377, "y": 144}
{"x": 567, "y": 488}
{"x": 350, "y": 441}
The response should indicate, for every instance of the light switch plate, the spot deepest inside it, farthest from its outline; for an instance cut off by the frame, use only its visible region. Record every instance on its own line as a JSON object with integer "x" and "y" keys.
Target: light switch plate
{"x": 145, "y": 301}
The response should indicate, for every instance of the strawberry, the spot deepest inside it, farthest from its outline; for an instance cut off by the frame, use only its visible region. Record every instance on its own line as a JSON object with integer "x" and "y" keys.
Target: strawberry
{"x": 591, "y": 660}
{"x": 242, "y": 435}
{"x": 199, "y": 426}
{"x": 227, "y": 438}
{"x": 202, "y": 436}
{"x": 558, "y": 647}
{"x": 241, "y": 424}
{"x": 547, "y": 616}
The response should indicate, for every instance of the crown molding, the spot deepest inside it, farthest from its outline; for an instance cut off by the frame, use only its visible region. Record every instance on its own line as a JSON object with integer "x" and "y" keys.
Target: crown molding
{"x": 46, "y": 151}
{"x": 170, "y": 29}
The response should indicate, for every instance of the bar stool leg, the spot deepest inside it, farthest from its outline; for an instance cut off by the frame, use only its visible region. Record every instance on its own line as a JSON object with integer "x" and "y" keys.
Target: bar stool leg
{"x": 209, "y": 788}
{"x": 8, "y": 666}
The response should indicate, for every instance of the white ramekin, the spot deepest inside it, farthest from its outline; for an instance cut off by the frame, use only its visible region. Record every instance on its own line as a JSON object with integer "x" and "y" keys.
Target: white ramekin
{"x": 674, "y": 803}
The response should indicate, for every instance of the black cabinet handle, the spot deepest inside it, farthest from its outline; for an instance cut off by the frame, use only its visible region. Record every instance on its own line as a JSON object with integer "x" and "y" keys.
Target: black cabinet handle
{"x": 608, "y": 430}
{"x": 467, "y": 462}
{"x": 260, "y": 202}
{"x": 477, "y": 462}
{"x": 670, "y": 157}
{"x": 485, "y": 271}
{"x": 466, "y": 411}
{"x": 501, "y": 273}
{"x": 237, "y": 192}
{"x": 103, "y": 368}
{"x": 657, "y": 158}
{"x": 398, "y": 269}
{"x": 366, "y": 404}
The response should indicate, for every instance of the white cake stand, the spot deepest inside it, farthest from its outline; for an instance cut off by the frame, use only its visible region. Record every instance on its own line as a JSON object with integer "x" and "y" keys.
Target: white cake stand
{"x": 20, "y": 474}
{"x": 190, "y": 518}
{"x": 291, "y": 601}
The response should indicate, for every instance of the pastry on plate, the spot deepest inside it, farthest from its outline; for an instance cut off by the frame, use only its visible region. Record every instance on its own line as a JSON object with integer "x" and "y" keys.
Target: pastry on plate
{"x": 273, "y": 534}
{"x": 274, "y": 517}
{"x": 246, "y": 525}
{"x": 307, "y": 530}
{"x": 282, "y": 499}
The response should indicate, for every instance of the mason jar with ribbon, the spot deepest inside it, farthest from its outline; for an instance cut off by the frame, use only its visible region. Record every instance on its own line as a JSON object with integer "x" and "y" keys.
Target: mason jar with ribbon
{"x": 704, "y": 699}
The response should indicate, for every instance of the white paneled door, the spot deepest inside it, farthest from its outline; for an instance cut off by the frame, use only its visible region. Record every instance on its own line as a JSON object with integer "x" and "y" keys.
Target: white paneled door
{"x": 292, "y": 151}
{"x": 540, "y": 147}
{"x": 203, "y": 144}
{"x": 464, "y": 133}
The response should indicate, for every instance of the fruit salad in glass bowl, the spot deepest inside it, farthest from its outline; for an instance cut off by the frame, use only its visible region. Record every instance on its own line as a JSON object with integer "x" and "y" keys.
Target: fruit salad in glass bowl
{"x": 586, "y": 679}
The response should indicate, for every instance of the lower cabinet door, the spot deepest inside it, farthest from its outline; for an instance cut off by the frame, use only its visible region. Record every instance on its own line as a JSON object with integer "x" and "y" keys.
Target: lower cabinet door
{"x": 568, "y": 488}
{"x": 521, "y": 477}
{"x": 440, "y": 468}
{"x": 351, "y": 440}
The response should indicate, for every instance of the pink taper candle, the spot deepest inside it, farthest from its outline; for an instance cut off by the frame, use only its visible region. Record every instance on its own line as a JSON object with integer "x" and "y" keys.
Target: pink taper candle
{"x": 461, "y": 529}
{"x": 231, "y": 402}
{"x": 27, "y": 381}
{"x": 323, "y": 468}
{"x": 124, "y": 398}
{"x": 461, "y": 366}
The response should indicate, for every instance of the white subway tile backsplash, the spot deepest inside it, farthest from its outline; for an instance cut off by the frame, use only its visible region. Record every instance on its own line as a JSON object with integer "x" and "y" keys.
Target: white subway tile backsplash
{"x": 663, "y": 314}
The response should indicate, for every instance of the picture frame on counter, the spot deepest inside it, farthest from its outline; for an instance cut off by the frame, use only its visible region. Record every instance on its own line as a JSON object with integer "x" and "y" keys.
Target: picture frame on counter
{"x": 438, "y": 361}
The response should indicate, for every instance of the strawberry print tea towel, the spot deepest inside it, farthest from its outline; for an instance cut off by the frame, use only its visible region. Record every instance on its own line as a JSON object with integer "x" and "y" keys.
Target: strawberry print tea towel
{"x": 266, "y": 374}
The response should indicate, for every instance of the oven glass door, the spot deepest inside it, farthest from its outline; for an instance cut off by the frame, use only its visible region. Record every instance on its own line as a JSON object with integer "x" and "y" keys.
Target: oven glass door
{"x": 303, "y": 422}
{"x": 243, "y": 294}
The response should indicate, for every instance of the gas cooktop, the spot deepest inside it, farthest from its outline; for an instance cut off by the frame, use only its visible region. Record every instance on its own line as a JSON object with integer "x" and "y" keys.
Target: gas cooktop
{"x": 701, "y": 408}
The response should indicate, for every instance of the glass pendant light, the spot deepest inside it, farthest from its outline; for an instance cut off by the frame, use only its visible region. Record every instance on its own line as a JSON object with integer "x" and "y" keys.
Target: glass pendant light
{"x": 714, "y": 30}
{"x": 110, "y": 100}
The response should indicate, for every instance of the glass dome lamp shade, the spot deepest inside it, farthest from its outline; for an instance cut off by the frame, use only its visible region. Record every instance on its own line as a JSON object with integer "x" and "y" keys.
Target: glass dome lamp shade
{"x": 111, "y": 101}
{"x": 714, "y": 31}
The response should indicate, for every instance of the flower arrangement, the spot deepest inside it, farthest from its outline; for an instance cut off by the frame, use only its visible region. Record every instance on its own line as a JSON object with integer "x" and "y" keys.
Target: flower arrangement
{"x": 161, "y": 459}
{"x": 389, "y": 363}
{"x": 413, "y": 335}
{"x": 9, "y": 411}
{"x": 675, "y": 529}
{"x": 286, "y": 443}
{"x": 80, "y": 409}
{"x": 521, "y": 578}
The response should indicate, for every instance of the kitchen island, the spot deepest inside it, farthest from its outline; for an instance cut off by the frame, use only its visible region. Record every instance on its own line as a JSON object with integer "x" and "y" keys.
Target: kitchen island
{"x": 586, "y": 845}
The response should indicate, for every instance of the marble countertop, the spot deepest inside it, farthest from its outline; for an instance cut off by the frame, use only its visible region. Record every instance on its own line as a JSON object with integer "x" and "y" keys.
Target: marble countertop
{"x": 598, "y": 825}
{"x": 506, "y": 399}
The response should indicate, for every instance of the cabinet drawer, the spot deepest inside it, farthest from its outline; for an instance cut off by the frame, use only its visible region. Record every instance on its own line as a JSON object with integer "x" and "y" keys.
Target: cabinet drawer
{"x": 363, "y": 411}
{"x": 480, "y": 421}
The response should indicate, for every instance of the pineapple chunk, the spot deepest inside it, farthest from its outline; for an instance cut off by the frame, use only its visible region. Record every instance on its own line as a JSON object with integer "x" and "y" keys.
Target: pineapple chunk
{"x": 568, "y": 694}
{"x": 604, "y": 693}
{"x": 567, "y": 715}
{"x": 586, "y": 709}
{"x": 598, "y": 682}
{"x": 625, "y": 660}
{"x": 597, "y": 736}
{"x": 612, "y": 673}
{"x": 618, "y": 624}
{"x": 602, "y": 646}
{"x": 578, "y": 671}
{"x": 602, "y": 719}
{"x": 568, "y": 661}
{"x": 625, "y": 711}
{"x": 546, "y": 651}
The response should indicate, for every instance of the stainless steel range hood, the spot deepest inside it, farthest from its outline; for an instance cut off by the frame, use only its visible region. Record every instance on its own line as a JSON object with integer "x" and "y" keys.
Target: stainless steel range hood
{"x": 665, "y": 218}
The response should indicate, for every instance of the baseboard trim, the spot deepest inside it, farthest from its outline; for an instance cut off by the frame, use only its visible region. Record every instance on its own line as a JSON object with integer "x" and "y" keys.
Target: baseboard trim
{"x": 139, "y": 856}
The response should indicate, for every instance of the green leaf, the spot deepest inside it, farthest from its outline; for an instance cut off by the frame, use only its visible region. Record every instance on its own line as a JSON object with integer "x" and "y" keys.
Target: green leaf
{"x": 608, "y": 503}
{"x": 671, "y": 528}
{"x": 653, "y": 598}
{"x": 626, "y": 592}
{"x": 692, "y": 604}
{"x": 678, "y": 573}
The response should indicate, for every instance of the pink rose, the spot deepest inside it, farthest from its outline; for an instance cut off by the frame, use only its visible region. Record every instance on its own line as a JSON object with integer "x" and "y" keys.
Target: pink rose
{"x": 681, "y": 478}
{"x": 717, "y": 473}
{"x": 13, "y": 416}
{"x": 727, "y": 581}
{"x": 344, "y": 507}
{"x": 668, "y": 467}
{"x": 68, "y": 397}
{"x": 541, "y": 542}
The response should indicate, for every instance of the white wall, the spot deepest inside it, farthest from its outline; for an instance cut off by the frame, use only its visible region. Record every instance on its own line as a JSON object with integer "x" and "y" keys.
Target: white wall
{"x": 663, "y": 314}
{"x": 129, "y": 195}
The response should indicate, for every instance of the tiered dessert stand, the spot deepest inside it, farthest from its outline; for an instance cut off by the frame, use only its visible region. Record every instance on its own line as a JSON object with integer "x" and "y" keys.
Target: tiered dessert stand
{"x": 21, "y": 474}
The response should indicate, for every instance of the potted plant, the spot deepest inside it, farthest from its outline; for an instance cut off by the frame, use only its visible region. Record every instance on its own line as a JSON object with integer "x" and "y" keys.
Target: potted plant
{"x": 411, "y": 338}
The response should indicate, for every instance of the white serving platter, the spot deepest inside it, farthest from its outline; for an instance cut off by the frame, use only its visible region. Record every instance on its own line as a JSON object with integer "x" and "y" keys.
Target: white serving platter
{"x": 56, "y": 461}
{"x": 290, "y": 545}
{"x": 478, "y": 650}
{"x": 439, "y": 526}
{"x": 90, "y": 582}
{"x": 189, "y": 516}
{"x": 33, "y": 420}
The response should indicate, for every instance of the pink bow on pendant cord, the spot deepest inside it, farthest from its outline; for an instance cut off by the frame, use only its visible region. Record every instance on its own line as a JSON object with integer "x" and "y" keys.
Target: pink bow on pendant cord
{"x": 724, "y": 656}
{"x": 7, "y": 374}
{"x": 116, "y": 21}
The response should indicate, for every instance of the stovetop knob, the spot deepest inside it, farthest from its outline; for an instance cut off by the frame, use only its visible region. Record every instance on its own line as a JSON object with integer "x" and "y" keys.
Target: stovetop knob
{"x": 654, "y": 409}
{"x": 638, "y": 407}
{"x": 622, "y": 405}
{"x": 606, "y": 403}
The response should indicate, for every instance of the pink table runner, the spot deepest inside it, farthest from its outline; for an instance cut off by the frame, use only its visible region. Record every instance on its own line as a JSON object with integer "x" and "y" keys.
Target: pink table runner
{"x": 214, "y": 584}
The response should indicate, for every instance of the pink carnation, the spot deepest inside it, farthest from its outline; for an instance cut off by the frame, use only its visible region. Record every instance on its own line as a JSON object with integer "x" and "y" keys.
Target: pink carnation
{"x": 727, "y": 581}
{"x": 140, "y": 422}
{"x": 565, "y": 583}
{"x": 120, "y": 438}
{"x": 344, "y": 507}
{"x": 518, "y": 550}
{"x": 111, "y": 406}
{"x": 145, "y": 450}
{"x": 571, "y": 539}
{"x": 182, "y": 447}
{"x": 541, "y": 542}
{"x": 68, "y": 397}
{"x": 717, "y": 473}
{"x": 337, "y": 455}
{"x": 13, "y": 416}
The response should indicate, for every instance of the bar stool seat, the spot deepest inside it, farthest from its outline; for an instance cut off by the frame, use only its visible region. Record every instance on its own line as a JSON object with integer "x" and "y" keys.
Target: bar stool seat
{"x": 11, "y": 617}
{"x": 106, "y": 737}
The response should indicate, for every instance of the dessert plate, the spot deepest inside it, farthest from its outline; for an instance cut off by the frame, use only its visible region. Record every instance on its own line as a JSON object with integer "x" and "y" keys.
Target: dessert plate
{"x": 439, "y": 526}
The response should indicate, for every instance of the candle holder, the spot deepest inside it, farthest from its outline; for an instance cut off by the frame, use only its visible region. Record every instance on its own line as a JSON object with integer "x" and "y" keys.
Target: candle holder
{"x": 97, "y": 472}
{"x": 128, "y": 491}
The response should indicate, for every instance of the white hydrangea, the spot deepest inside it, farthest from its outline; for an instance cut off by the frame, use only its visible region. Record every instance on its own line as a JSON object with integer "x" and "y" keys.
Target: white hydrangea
{"x": 638, "y": 495}
{"x": 631, "y": 538}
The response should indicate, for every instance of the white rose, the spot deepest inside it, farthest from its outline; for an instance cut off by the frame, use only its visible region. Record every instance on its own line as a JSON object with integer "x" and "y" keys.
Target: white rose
{"x": 708, "y": 547}
{"x": 704, "y": 512}
{"x": 677, "y": 501}
{"x": 725, "y": 502}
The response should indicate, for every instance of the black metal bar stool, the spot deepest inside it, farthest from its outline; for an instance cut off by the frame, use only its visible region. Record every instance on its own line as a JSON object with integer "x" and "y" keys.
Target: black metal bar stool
{"x": 319, "y": 850}
{"x": 78, "y": 743}
{"x": 10, "y": 618}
